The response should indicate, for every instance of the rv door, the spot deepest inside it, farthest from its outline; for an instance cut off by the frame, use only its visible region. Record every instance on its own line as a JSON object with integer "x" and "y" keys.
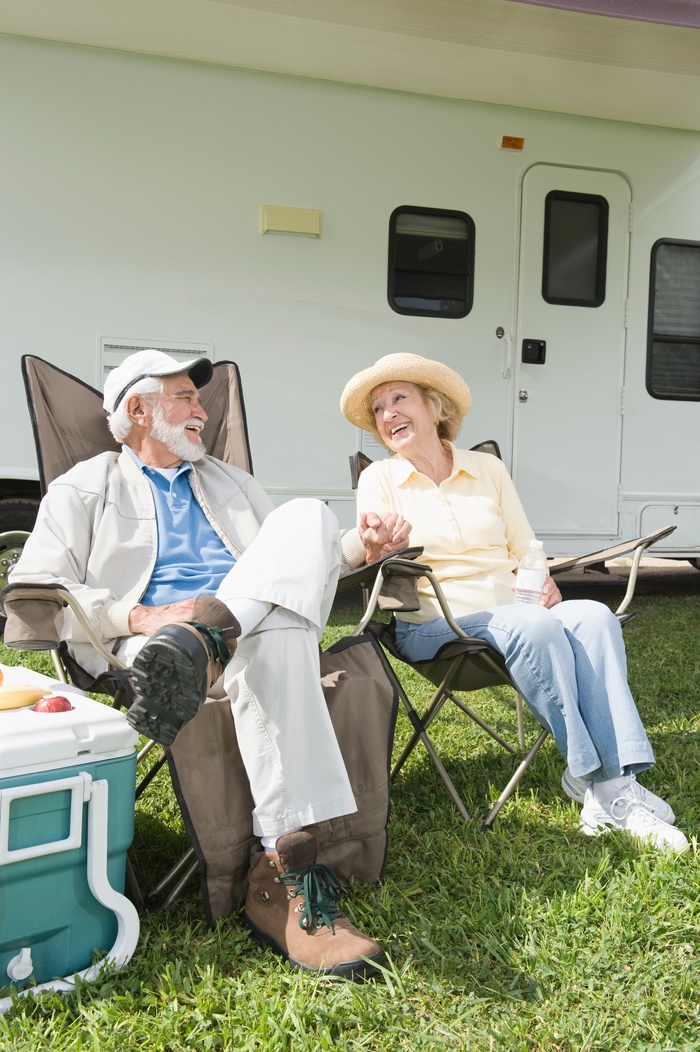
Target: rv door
{"x": 570, "y": 348}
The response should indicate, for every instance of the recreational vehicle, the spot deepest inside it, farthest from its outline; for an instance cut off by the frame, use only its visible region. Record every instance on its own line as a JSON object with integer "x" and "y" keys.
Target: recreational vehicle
{"x": 302, "y": 226}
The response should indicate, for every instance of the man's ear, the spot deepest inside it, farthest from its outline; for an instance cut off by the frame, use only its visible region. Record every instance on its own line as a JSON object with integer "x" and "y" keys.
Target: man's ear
{"x": 138, "y": 410}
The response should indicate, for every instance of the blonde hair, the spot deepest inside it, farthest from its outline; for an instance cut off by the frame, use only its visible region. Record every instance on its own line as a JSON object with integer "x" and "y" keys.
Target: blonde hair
{"x": 449, "y": 418}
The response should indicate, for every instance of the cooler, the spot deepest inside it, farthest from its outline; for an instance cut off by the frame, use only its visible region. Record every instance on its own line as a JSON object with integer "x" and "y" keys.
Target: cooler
{"x": 67, "y": 784}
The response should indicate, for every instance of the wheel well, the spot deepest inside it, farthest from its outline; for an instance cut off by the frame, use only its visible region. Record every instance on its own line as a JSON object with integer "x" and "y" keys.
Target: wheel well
{"x": 17, "y": 514}
{"x": 27, "y": 489}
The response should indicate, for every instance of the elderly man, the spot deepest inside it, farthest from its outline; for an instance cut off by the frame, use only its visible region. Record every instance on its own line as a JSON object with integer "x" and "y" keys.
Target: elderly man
{"x": 187, "y": 570}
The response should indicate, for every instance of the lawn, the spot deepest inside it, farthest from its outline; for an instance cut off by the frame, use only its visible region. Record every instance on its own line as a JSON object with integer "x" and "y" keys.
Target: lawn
{"x": 530, "y": 937}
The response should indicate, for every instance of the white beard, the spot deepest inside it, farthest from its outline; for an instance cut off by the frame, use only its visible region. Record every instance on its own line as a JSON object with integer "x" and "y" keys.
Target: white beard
{"x": 174, "y": 438}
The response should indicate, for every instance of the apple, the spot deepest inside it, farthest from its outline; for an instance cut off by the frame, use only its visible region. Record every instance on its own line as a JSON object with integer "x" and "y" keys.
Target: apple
{"x": 56, "y": 703}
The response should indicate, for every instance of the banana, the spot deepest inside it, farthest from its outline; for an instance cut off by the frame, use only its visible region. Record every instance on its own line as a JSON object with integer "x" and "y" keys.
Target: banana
{"x": 16, "y": 697}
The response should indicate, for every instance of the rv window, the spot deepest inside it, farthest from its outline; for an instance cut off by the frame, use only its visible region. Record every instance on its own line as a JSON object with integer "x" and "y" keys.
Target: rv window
{"x": 673, "y": 346}
{"x": 575, "y": 249}
{"x": 431, "y": 262}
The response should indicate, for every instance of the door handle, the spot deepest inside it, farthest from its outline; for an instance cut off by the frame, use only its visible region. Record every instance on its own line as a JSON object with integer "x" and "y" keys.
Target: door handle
{"x": 533, "y": 352}
{"x": 522, "y": 396}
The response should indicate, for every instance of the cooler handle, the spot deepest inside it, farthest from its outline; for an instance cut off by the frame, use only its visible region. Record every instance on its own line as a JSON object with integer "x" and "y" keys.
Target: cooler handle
{"x": 128, "y": 926}
{"x": 80, "y": 788}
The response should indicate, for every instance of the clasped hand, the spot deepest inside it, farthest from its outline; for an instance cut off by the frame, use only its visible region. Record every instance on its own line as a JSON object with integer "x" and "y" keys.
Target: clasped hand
{"x": 383, "y": 534}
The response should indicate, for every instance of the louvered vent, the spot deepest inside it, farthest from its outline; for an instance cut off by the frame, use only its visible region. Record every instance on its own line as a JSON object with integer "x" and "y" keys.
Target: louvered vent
{"x": 114, "y": 349}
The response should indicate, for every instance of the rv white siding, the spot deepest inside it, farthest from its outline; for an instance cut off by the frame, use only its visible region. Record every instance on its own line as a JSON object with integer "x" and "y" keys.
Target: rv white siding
{"x": 130, "y": 195}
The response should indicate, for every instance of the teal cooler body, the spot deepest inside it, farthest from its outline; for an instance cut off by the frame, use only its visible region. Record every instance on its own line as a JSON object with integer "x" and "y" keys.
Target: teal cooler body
{"x": 55, "y": 767}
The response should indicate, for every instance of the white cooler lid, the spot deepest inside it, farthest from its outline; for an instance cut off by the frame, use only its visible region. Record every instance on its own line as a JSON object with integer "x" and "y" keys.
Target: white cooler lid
{"x": 35, "y": 741}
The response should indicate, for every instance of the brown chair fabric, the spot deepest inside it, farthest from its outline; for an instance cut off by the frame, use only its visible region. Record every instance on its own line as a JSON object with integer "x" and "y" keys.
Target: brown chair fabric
{"x": 225, "y": 433}
{"x": 70, "y": 425}
{"x": 67, "y": 417}
{"x": 213, "y": 792}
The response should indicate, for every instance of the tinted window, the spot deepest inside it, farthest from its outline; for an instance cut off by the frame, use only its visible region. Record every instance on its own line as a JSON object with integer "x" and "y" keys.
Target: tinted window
{"x": 431, "y": 262}
{"x": 673, "y": 345}
{"x": 575, "y": 249}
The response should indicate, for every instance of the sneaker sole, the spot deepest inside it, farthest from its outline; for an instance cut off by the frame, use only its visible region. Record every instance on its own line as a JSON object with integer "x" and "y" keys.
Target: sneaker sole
{"x": 664, "y": 813}
{"x": 571, "y": 791}
{"x": 590, "y": 830}
{"x": 356, "y": 971}
{"x": 603, "y": 828}
{"x": 169, "y": 676}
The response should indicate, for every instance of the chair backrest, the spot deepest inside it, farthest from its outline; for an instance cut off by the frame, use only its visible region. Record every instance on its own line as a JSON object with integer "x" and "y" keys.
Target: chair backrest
{"x": 225, "y": 433}
{"x": 489, "y": 446}
{"x": 70, "y": 425}
{"x": 358, "y": 462}
{"x": 68, "y": 421}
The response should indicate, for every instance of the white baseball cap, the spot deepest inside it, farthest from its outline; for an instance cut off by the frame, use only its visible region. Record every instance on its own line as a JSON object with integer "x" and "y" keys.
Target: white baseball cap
{"x": 151, "y": 363}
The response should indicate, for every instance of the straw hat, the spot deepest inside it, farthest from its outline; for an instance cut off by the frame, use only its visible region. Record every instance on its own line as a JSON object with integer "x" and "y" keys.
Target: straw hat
{"x": 407, "y": 368}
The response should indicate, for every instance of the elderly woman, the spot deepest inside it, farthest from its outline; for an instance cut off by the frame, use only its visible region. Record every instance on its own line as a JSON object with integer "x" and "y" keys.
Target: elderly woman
{"x": 567, "y": 659}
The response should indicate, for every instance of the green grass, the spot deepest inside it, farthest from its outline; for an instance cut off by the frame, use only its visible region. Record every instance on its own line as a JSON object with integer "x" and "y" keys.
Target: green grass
{"x": 531, "y": 937}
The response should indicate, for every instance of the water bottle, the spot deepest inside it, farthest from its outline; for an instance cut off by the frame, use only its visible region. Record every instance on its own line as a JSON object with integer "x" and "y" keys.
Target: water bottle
{"x": 532, "y": 571}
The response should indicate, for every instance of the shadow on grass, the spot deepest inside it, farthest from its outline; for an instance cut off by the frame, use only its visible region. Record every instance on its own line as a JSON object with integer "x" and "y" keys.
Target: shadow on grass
{"x": 463, "y": 901}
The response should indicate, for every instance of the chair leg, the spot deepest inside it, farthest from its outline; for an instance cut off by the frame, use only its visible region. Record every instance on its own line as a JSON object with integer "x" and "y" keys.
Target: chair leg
{"x": 420, "y": 724}
{"x": 521, "y": 719}
{"x": 419, "y": 734}
{"x": 513, "y": 783}
{"x": 150, "y": 774}
{"x": 132, "y": 886}
{"x": 188, "y": 868}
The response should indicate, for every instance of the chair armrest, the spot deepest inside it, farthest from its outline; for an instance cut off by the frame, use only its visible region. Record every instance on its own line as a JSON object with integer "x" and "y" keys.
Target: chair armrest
{"x": 398, "y": 565}
{"x": 31, "y": 611}
{"x": 616, "y": 552}
{"x": 368, "y": 571}
{"x": 635, "y": 547}
{"x": 19, "y": 590}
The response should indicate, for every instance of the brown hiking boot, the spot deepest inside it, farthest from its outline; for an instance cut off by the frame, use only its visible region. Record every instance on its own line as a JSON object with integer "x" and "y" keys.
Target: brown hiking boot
{"x": 292, "y": 907}
{"x": 174, "y": 671}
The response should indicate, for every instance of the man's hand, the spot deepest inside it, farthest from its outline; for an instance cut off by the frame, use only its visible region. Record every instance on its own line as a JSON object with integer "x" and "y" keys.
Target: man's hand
{"x": 382, "y": 534}
{"x": 145, "y": 620}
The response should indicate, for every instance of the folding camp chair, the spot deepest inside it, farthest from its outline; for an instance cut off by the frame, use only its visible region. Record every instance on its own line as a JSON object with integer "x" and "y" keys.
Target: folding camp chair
{"x": 468, "y": 664}
{"x": 69, "y": 426}
{"x": 205, "y": 764}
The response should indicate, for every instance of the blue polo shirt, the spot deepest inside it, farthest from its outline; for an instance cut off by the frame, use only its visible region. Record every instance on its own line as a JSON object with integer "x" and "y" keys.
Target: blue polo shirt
{"x": 192, "y": 559}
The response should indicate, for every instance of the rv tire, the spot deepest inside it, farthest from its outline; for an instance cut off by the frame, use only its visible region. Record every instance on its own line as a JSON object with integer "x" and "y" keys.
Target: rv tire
{"x": 17, "y": 517}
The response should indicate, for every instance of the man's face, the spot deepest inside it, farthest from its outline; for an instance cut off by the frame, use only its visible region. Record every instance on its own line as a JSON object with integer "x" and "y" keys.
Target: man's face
{"x": 178, "y": 417}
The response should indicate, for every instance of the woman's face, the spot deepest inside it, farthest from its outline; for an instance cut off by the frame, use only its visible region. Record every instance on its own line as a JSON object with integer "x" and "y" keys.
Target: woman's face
{"x": 403, "y": 416}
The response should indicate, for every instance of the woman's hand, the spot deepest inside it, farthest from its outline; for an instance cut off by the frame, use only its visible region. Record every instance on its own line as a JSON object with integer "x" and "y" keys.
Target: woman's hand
{"x": 383, "y": 534}
{"x": 550, "y": 593}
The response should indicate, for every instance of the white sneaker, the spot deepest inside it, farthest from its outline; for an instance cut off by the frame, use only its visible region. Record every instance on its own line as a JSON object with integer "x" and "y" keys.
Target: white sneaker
{"x": 576, "y": 789}
{"x": 626, "y": 812}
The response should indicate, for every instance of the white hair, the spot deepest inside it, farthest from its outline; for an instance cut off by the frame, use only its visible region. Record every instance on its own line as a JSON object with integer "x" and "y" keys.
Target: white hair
{"x": 119, "y": 422}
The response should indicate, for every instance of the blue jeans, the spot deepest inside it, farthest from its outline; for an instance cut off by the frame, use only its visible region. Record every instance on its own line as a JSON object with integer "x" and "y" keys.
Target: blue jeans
{"x": 569, "y": 664}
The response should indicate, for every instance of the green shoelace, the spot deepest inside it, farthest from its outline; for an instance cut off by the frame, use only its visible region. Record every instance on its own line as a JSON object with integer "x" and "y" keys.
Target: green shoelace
{"x": 214, "y": 638}
{"x": 321, "y": 890}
